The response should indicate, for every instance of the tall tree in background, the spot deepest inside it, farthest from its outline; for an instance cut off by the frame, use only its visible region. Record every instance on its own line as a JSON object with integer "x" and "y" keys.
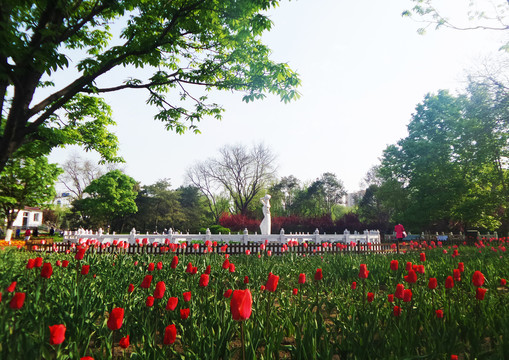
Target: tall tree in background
{"x": 158, "y": 207}
{"x": 185, "y": 44}
{"x": 320, "y": 197}
{"x": 112, "y": 196}
{"x": 450, "y": 169}
{"x": 193, "y": 205}
{"x": 199, "y": 177}
{"x": 240, "y": 172}
{"x": 26, "y": 182}
{"x": 78, "y": 174}
{"x": 283, "y": 195}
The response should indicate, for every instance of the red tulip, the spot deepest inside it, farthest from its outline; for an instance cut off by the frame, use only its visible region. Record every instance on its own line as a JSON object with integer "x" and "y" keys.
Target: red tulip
{"x": 204, "y": 280}
{"x": 150, "y": 301}
{"x": 172, "y": 303}
{"x": 318, "y": 274}
{"x": 226, "y": 264}
{"x": 87, "y": 358}
{"x": 31, "y": 263}
{"x": 272, "y": 282}
{"x": 400, "y": 288}
{"x": 159, "y": 290}
{"x": 371, "y": 297}
{"x": 295, "y": 291}
{"x": 394, "y": 265}
{"x": 11, "y": 287}
{"x": 116, "y": 319}
{"x": 454, "y": 357}
{"x": 456, "y": 274}
{"x": 432, "y": 284}
{"x": 411, "y": 278}
{"x": 0, "y": 297}
{"x": 147, "y": 280}
{"x": 170, "y": 334}
{"x": 80, "y": 253}
{"x": 246, "y": 279}
{"x": 187, "y": 296}
{"x": 269, "y": 253}
{"x": 57, "y": 334}
{"x": 408, "y": 266}
{"x": 38, "y": 262}
{"x": 262, "y": 287}
{"x": 396, "y": 311}
{"x": 194, "y": 270}
{"x": 461, "y": 267}
{"x": 124, "y": 342}
{"x": 189, "y": 268}
{"x": 439, "y": 313}
{"x": 422, "y": 257}
{"x": 227, "y": 293}
{"x": 58, "y": 263}
{"x": 354, "y": 285}
{"x": 208, "y": 270}
{"x": 302, "y": 278}
{"x": 17, "y": 301}
{"x": 130, "y": 289}
{"x": 503, "y": 282}
{"x": 480, "y": 292}
{"x": 407, "y": 295}
{"x": 159, "y": 265}
{"x": 184, "y": 313}
{"x": 449, "y": 282}
{"x": 420, "y": 269}
{"x": 363, "y": 272}
{"x": 174, "y": 262}
{"x": 85, "y": 269}
{"x": 390, "y": 298}
{"x": 231, "y": 268}
{"x": 47, "y": 270}
{"x": 65, "y": 263}
{"x": 151, "y": 266}
{"x": 241, "y": 305}
{"x": 478, "y": 278}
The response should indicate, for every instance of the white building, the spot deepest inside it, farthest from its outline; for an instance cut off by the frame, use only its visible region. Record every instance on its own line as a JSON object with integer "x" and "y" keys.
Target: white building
{"x": 29, "y": 217}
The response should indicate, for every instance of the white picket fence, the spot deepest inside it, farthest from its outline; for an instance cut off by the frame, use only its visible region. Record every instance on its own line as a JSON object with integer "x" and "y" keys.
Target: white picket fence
{"x": 368, "y": 236}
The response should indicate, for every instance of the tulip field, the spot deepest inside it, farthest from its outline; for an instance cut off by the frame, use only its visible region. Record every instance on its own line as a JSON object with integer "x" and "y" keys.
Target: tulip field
{"x": 435, "y": 301}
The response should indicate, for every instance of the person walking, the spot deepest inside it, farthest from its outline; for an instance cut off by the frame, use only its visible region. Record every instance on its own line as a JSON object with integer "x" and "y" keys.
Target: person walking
{"x": 27, "y": 234}
{"x": 400, "y": 234}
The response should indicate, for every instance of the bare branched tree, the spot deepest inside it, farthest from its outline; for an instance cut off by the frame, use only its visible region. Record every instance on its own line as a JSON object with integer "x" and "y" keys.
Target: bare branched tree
{"x": 199, "y": 175}
{"x": 240, "y": 172}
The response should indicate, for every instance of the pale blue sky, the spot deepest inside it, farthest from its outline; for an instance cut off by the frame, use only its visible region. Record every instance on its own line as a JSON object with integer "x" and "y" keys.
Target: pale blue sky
{"x": 363, "y": 69}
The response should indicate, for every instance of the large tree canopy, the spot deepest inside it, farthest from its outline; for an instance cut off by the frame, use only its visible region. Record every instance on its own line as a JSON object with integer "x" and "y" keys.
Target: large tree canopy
{"x": 110, "y": 196}
{"x": 452, "y": 167}
{"x": 26, "y": 182}
{"x": 185, "y": 43}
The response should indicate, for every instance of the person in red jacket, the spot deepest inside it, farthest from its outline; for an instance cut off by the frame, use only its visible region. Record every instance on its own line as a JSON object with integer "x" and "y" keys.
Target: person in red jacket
{"x": 400, "y": 234}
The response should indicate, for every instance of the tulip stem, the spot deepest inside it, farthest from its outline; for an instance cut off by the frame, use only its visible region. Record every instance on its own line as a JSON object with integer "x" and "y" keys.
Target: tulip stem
{"x": 112, "y": 344}
{"x": 242, "y": 340}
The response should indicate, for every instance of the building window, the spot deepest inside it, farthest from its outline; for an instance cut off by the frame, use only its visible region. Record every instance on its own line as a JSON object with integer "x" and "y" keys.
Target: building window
{"x": 25, "y": 214}
{"x": 36, "y": 217}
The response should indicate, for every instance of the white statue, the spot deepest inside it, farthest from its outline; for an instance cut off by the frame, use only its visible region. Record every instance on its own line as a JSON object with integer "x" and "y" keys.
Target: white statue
{"x": 265, "y": 224}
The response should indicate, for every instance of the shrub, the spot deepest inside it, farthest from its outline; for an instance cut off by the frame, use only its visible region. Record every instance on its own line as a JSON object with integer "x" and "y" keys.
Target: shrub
{"x": 239, "y": 222}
